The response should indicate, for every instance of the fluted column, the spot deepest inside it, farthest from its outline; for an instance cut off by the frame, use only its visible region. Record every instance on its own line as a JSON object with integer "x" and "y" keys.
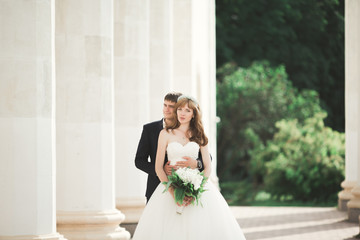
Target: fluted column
{"x": 184, "y": 78}
{"x": 85, "y": 121}
{"x": 204, "y": 54}
{"x": 131, "y": 101}
{"x": 27, "y": 130}
{"x": 352, "y": 107}
{"x": 161, "y": 55}
{"x": 194, "y": 68}
{"x": 352, "y": 126}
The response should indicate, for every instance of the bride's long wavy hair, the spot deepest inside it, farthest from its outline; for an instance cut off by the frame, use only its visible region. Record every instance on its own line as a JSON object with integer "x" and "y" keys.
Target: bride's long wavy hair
{"x": 196, "y": 130}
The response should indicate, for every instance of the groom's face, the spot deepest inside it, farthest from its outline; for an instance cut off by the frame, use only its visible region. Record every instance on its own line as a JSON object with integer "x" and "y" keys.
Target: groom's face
{"x": 168, "y": 109}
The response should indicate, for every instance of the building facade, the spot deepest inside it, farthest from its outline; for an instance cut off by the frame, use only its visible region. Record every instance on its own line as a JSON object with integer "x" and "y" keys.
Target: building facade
{"x": 78, "y": 80}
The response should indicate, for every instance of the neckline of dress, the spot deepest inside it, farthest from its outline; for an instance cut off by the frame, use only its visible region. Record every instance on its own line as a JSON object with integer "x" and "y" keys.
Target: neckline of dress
{"x": 181, "y": 143}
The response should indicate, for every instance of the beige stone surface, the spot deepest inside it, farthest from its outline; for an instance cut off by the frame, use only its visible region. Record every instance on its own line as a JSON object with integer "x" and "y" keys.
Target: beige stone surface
{"x": 54, "y": 236}
{"x": 295, "y": 223}
{"x": 352, "y": 103}
{"x": 27, "y": 109}
{"x": 85, "y": 121}
{"x": 131, "y": 108}
{"x": 292, "y": 223}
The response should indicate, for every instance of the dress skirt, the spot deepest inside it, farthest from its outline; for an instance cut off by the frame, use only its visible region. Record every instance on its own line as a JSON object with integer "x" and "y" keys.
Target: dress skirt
{"x": 212, "y": 219}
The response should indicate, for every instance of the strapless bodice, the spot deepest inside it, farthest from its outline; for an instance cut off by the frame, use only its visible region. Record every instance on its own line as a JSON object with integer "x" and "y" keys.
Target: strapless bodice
{"x": 176, "y": 151}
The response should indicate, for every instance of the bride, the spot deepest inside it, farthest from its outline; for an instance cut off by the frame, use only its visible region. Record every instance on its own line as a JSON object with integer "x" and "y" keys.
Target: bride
{"x": 212, "y": 219}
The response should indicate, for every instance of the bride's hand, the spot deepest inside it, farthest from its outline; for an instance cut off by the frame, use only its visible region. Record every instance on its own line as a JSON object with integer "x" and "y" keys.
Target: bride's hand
{"x": 168, "y": 168}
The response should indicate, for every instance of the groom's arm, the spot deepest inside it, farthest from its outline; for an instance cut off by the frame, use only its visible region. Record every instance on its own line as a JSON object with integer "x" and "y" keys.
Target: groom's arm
{"x": 143, "y": 152}
{"x": 190, "y": 162}
{"x": 201, "y": 161}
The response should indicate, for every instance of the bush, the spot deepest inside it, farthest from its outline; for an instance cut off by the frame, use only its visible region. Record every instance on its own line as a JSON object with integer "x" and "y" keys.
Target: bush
{"x": 238, "y": 192}
{"x": 249, "y": 102}
{"x": 304, "y": 161}
{"x": 306, "y": 36}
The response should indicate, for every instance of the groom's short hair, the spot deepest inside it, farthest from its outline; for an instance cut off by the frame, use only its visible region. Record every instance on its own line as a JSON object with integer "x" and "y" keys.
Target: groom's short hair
{"x": 172, "y": 96}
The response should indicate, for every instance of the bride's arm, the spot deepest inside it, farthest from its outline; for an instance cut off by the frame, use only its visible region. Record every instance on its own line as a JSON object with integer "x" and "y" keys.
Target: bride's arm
{"x": 160, "y": 156}
{"x": 206, "y": 160}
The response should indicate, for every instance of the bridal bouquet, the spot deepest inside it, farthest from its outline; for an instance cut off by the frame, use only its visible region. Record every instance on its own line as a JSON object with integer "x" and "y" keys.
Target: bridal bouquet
{"x": 186, "y": 182}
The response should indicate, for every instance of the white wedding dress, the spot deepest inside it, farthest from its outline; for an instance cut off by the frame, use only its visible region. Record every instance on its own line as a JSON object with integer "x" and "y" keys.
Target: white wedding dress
{"x": 212, "y": 220}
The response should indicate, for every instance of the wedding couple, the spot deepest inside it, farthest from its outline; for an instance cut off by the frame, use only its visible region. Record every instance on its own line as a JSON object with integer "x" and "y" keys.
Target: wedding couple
{"x": 176, "y": 141}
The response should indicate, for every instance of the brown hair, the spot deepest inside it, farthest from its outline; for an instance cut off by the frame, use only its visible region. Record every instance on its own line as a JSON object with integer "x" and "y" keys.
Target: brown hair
{"x": 196, "y": 129}
{"x": 172, "y": 96}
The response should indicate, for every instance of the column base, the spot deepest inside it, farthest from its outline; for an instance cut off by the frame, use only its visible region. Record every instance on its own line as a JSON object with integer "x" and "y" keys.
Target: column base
{"x": 130, "y": 227}
{"x": 354, "y": 205}
{"x": 92, "y": 225}
{"x": 342, "y": 204}
{"x": 54, "y": 236}
{"x": 132, "y": 208}
{"x": 345, "y": 195}
{"x": 353, "y": 214}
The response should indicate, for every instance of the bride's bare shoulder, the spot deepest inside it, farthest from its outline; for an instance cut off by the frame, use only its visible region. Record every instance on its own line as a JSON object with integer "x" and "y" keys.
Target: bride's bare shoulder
{"x": 164, "y": 133}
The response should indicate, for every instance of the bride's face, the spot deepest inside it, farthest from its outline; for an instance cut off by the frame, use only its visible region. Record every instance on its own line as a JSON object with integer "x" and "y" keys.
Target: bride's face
{"x": 184, "y": 114}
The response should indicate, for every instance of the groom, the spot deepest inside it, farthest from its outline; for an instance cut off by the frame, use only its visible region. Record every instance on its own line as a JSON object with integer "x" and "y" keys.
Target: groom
{"x": 148, "y": 146}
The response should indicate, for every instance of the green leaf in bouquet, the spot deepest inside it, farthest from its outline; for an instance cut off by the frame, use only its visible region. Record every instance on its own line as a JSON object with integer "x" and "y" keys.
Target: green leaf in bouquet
{"x": 167, "y": 186}
{"x": 179, "y": 195}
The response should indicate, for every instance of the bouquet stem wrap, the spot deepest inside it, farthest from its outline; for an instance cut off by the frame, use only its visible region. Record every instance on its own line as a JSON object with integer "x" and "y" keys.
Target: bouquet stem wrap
{"x": 179, "y": 209}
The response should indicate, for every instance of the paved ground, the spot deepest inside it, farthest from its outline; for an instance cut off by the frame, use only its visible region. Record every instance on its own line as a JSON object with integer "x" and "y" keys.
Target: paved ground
{"x": 292, "y": 223}
{"x": 295, "y": 223}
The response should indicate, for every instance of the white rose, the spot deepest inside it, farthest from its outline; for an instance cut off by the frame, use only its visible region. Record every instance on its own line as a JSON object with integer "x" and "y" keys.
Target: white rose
{"x": 189, "y": 175}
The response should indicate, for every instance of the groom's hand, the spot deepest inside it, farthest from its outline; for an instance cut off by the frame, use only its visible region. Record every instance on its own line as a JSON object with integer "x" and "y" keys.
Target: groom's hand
{"x": 188, "y": 162}
{"x": 168, "y": 168}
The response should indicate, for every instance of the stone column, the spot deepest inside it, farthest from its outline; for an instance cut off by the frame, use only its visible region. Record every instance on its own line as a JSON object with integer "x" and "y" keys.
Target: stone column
{"x": 352, "y": 108}
{"x": 352, "y": 126}
{"x": 85, "y": 121}
{"x": 182, "y": 47}
{"x": 131, "y": 102}
{"x": 204, "y": 67}
{"x": 194, "y": 68}
{"x": 161, "y": 52}
{"x": 27, "y": 108}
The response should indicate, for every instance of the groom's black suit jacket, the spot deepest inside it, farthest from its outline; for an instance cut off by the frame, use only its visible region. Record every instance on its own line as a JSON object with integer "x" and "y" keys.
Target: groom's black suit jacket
{"x": 147, "y": 148}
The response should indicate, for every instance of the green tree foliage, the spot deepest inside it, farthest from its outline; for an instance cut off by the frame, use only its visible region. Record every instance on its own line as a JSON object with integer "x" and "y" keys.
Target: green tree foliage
{"x": 249, "y": 102}
{"x": 306, "y": 36}
{"x": 304, "y": 160}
